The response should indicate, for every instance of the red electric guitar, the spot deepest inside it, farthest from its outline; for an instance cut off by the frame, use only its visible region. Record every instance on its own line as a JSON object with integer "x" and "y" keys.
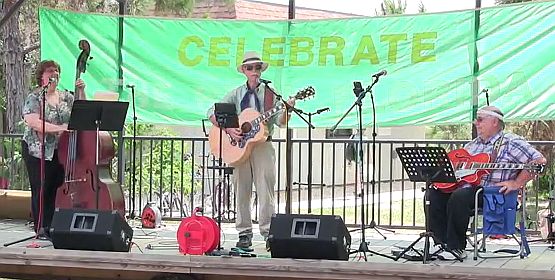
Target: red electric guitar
{"x": 471, "y": 168}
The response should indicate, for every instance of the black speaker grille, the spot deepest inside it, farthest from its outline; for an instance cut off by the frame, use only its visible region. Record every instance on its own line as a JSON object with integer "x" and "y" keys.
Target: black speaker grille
{"x": 309, "y": 237}
{"x": 89, "y": 229}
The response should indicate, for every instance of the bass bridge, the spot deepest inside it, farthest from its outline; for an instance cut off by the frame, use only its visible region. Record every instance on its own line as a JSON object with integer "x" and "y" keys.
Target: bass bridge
{"x": 76, "y": 180}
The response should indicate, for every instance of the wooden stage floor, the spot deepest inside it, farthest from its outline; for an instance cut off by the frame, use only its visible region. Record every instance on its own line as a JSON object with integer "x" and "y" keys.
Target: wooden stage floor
{"x": 156, "y": 253}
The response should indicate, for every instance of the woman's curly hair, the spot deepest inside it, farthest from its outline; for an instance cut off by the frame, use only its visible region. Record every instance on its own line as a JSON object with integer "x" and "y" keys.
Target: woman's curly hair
{"x": 43, "y": 65}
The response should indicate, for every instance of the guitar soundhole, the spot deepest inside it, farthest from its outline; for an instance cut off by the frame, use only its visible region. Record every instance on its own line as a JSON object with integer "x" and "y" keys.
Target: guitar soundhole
{"x": 246, "y": 127}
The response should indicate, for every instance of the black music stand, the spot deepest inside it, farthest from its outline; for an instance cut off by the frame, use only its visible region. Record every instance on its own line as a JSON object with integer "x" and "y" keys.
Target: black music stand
{"x": 430, "y": 165}
{"x": 97, "y": 116}
{"x": 226, "y": 117}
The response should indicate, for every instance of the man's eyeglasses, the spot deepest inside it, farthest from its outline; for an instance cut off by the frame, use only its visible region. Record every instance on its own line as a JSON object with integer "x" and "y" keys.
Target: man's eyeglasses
{"x": 480, "y": 119}
{"x": 257, "y": 67}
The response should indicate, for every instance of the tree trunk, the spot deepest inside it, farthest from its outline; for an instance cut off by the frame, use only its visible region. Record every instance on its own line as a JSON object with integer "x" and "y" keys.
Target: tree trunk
{"x": 12, "y": 63}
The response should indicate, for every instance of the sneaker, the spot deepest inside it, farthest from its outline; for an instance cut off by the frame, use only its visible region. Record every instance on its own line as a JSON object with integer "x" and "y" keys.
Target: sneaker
{"x": 245, "y": 241}
{"x": 451, "y": 255}
{"x": 461, "y": 253}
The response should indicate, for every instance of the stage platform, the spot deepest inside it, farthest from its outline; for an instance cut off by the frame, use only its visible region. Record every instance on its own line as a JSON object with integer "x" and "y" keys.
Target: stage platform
{"x": 156, "y": 253}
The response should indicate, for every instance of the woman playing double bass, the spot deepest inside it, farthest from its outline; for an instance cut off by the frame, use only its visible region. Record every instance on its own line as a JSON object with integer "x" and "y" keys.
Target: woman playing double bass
{"x": 57, "y": 110}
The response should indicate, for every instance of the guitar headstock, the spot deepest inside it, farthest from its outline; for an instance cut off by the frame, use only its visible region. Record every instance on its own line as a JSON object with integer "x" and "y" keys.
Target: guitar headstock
{"x": 305, "y": 93}
{"x": 537, "y": 168}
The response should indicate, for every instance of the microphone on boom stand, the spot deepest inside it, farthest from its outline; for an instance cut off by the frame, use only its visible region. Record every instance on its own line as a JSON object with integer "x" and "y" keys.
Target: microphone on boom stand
{"x": 379, "y": 74}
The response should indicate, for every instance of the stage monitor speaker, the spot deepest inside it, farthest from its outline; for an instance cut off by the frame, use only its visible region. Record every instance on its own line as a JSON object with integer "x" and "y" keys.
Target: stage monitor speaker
{"x": 90, "y": 229}
{"x": 309, "y": 237}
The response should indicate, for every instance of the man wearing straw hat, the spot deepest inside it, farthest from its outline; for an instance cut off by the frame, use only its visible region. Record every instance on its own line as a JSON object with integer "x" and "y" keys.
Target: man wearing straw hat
{"x": 260, "y": 167}
{"x": 450, "y": 212}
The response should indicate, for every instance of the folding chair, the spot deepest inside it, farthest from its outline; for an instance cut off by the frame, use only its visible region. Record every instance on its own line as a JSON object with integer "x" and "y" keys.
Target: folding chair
{"x": 474, "y": 229}
{"x": 496, "y": 221}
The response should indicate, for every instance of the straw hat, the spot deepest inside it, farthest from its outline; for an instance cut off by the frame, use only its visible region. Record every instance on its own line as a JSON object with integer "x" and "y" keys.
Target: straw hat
{"x": 252, "y": 57}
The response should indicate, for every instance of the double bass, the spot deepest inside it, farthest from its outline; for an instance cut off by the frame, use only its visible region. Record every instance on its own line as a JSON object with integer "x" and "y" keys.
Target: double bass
{"x": 86, "y": 184}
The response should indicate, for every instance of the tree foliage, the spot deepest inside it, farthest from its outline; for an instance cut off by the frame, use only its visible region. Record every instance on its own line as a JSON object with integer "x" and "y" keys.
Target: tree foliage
{"x": 390, "y": 7}
{"x": 160, "y": 164}
{"x": 174, "y": 7}
{"x": 421, "y": 8}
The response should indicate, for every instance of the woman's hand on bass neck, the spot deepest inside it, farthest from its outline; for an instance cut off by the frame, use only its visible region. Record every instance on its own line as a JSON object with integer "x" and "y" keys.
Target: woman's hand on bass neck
{"x": 80, "y": 88}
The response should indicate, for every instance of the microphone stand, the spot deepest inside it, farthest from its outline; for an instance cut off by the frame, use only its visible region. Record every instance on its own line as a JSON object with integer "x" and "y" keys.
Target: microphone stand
{"x": 133, "y": 156}
{"x": 361, "y": 93}
{"x": 309, "y": 175}
{"x": 288, "y": 108}
{"x": 372, "y": 224}
{"x": 38, "y": 220}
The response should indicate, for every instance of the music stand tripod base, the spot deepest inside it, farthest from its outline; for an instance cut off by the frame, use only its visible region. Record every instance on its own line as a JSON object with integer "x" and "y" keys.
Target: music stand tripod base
{"x": 223, "y": 192}
{"x": 429, "y": 165}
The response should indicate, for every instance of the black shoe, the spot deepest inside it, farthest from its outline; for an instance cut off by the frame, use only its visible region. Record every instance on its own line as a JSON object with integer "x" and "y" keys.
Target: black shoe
{"x": 44, "y": 234}
{"x": 245, "y": 241}
{"x": 268, "y": 248}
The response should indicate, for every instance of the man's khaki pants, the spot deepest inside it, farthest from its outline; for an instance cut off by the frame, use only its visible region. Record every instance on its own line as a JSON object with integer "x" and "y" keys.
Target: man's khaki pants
{"x": 260, "y": 170}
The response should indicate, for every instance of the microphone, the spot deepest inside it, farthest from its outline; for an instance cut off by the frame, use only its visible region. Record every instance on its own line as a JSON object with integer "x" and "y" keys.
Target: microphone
{"x": 53, "y": 79}
{"x": 322, "y": 110}
{"x": 379, "y": 74}
{"x": 264, "y": 81}
{"x": 485, "y": 90}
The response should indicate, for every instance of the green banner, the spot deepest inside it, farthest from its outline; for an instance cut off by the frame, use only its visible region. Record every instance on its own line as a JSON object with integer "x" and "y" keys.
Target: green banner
{"x": 181, "y": 67}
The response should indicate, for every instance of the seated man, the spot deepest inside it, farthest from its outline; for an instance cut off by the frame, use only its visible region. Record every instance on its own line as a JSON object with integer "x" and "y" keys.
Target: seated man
{"x": 450, "y": 212}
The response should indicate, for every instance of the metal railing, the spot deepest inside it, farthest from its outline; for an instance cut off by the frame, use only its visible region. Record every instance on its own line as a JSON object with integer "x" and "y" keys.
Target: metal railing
{"x": 174, "y": 173}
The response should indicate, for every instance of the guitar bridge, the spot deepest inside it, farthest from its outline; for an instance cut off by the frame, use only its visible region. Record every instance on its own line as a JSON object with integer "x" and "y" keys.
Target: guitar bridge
{"x": 232, "y": 141}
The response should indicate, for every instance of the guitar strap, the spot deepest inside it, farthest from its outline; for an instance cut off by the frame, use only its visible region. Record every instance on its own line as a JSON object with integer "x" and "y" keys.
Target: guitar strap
{"x": 496, "y": 147}
{"x": 268, "y": 99}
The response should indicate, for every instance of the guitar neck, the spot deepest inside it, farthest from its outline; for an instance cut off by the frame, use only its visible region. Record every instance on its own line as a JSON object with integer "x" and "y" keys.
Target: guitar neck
{"x": 307, "y": 92}
{"x": 491, "y": 166}
{"x": 268, "y": 114}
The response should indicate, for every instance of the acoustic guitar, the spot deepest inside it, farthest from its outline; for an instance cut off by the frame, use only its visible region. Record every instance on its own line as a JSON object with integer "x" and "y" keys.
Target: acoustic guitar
{"x": 251, "y": 123}
{"x": 469, "y": 169}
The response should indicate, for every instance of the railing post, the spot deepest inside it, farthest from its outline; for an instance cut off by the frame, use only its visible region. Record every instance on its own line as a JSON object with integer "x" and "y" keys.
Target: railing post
{"x": 288, "y": 170}
{"x": 121, "y": 158}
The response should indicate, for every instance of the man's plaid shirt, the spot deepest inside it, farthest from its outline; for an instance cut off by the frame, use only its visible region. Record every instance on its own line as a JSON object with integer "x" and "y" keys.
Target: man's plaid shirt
{"x": 513, "y": 149}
